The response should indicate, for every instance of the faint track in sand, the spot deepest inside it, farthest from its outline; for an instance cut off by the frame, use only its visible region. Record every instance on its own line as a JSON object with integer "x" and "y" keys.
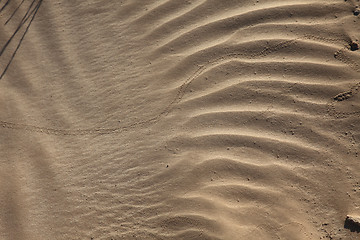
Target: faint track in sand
{"x": 340, "y": 56}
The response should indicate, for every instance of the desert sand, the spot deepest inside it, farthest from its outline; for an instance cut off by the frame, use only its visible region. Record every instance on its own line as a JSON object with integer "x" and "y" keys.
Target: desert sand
{"x": 179, "y": 119}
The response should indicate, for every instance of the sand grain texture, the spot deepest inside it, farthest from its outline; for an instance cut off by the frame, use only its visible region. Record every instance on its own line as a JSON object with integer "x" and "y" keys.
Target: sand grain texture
{"x": 197, "y": 119}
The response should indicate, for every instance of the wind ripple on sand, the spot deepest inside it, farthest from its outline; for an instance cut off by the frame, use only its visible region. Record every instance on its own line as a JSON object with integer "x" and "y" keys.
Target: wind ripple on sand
{"x": 265, "y": 159}
{"x": 191, "y": 120}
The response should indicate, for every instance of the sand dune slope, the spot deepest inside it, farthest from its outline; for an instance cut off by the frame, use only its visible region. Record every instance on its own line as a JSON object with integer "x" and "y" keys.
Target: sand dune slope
{"x": 197, "y": 119}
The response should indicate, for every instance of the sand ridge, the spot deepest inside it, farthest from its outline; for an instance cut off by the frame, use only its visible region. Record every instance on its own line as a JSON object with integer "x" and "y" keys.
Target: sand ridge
{"x": 340, "y": 55}
{"x": 197, "y": 119}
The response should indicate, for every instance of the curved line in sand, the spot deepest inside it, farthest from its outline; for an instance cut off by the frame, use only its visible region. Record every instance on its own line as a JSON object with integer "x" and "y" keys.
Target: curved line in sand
{"x": 339, "y": 55}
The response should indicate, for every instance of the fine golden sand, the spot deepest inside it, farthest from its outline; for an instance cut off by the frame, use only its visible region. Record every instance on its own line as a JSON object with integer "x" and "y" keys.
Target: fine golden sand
{"x": 179, "y": 119}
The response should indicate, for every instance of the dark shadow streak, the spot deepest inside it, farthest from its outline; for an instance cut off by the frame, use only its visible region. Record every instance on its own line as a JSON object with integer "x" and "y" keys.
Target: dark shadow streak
{"x": 12, "y": 15}
{"x": 22, "y": 22}
{"x": 25, "y": 18}
{"x": 3, "y": 7}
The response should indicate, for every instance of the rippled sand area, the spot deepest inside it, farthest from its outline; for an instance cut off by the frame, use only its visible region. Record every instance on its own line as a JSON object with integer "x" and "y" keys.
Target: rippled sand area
{"x": 194, "y": 119}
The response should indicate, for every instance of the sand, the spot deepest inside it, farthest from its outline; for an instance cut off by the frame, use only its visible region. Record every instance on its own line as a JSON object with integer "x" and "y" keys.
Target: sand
{"x": 197, "y": 119}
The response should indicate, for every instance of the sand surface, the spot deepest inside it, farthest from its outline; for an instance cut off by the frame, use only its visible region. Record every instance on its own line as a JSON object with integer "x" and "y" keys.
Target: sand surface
{"x": 191, "y": 119}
